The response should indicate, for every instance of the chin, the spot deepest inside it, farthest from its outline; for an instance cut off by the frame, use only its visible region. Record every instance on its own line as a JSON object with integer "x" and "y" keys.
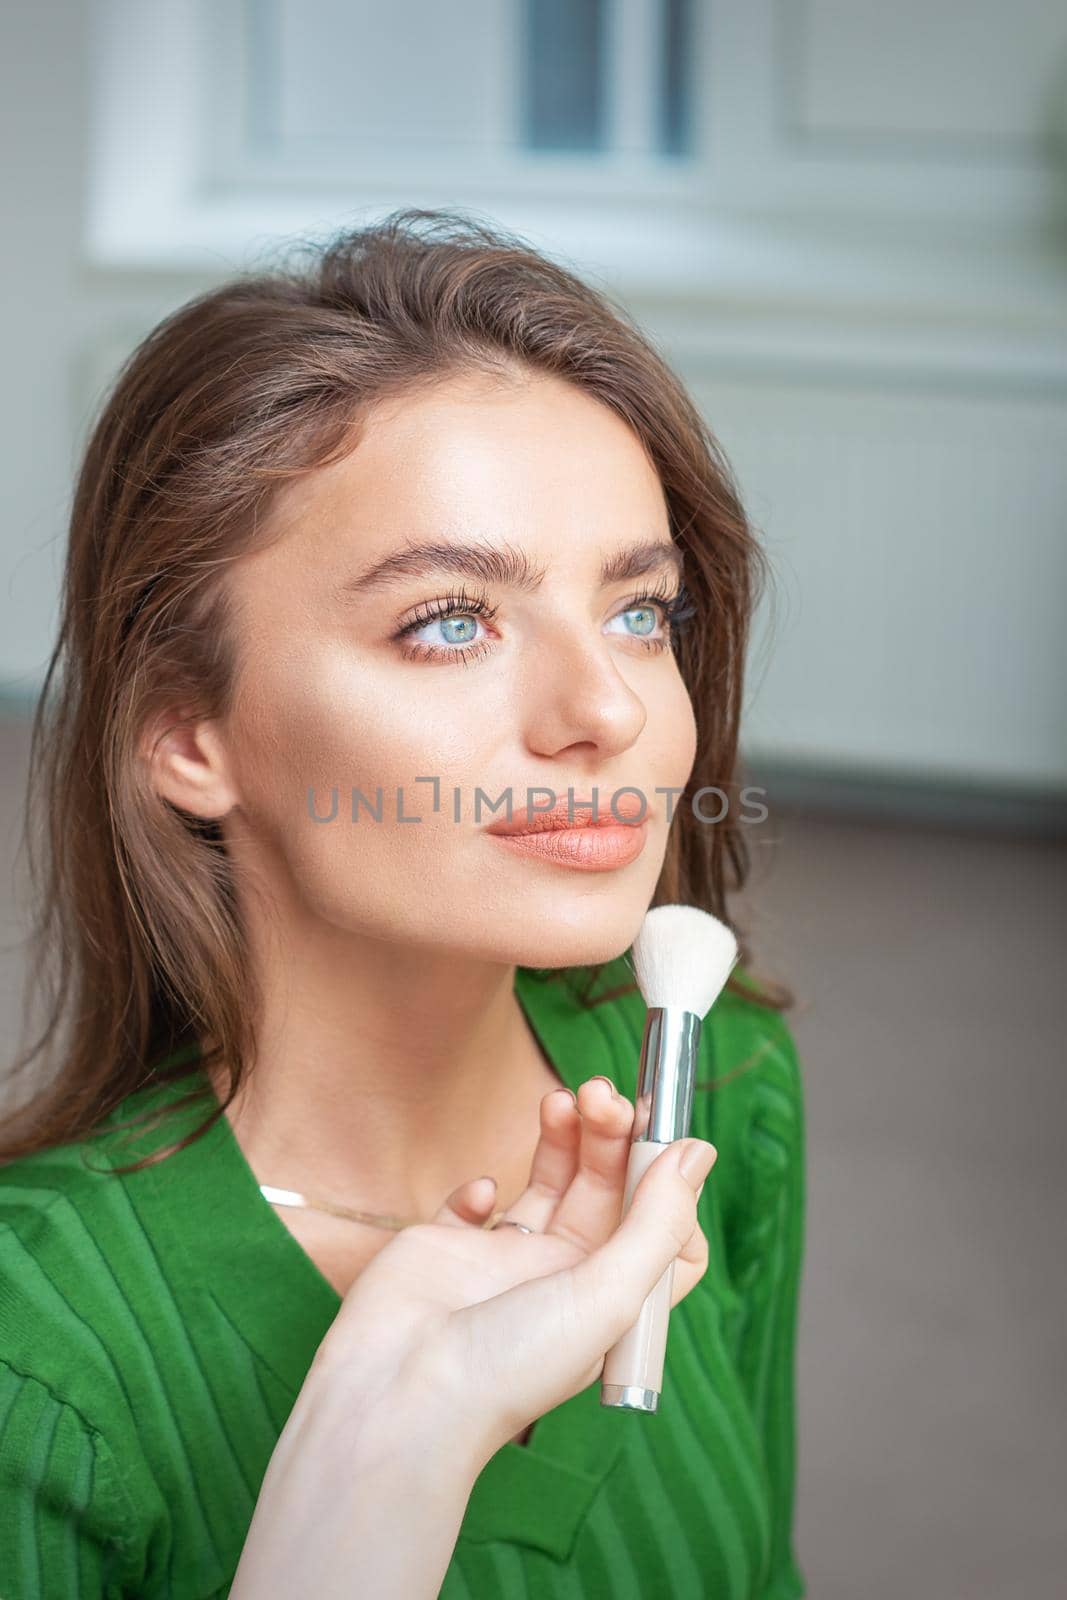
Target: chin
{"x": 577, "y": 933}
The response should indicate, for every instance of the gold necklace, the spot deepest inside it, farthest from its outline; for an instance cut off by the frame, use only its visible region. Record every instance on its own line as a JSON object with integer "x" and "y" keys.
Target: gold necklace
{"x": 290, "y": 1197}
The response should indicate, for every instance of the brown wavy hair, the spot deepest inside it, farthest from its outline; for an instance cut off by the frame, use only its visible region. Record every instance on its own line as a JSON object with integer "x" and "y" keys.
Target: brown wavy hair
{"x": 137, "y": 943}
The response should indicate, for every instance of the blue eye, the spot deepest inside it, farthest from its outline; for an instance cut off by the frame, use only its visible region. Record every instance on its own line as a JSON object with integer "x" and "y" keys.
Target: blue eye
{"x": 456, "y": 630}
{"x": 456, "y": 616}
{"x": 646, "y": 619}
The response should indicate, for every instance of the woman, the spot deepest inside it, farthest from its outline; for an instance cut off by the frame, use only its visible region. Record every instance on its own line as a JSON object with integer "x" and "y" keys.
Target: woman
{"x": 297, "y": 956}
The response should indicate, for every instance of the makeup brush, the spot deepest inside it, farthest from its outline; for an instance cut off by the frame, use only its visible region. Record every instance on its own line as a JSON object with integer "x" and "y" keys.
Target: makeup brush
{"x": 682, "y": 957}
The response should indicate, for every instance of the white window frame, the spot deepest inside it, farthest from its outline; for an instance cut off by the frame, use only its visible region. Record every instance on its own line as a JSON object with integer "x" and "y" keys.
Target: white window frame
{"x": 761, "y": 216}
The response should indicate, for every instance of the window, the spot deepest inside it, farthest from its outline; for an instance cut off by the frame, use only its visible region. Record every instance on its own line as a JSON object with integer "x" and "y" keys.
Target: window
{"x": 733, "y": 147}
{"x": 606, "y": 74}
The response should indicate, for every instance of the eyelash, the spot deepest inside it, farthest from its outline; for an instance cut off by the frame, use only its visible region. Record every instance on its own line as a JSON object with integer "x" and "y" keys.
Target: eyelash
{"x": 677, "y": 609}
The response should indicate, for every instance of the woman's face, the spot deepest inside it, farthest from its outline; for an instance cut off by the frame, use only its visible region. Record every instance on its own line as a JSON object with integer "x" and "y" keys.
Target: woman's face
{"x": 348, "y": 684}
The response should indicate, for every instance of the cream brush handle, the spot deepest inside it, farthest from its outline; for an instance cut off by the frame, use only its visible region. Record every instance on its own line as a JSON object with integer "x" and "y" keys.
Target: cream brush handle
{"x": 633, "y": 1368}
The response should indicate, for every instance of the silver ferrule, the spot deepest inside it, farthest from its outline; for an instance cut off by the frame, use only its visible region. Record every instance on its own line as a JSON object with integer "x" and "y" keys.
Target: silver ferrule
{"x": 628, "y": 1397}
{"x": 667, "y": 1074}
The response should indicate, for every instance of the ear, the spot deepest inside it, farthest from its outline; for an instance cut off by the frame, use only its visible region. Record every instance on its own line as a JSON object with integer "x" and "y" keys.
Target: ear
{"x": 189, "y": 766}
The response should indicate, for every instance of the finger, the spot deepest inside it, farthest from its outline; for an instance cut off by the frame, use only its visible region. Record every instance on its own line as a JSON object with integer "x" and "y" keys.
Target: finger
{"x": 468, "y": 1205}
{"x": 695, "y": 1249}
{"x": 612, "y": 1283}
{"x": 691, "y": 1263}
{"x": 589, "y": 1211}
{"x": 554, "y": 1163}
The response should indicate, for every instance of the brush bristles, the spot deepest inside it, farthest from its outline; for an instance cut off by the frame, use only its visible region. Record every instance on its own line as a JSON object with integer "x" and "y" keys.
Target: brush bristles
{"x": 682, "y": 956}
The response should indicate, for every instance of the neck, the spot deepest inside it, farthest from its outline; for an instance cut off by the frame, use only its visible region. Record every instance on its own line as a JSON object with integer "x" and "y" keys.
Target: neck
{"x": 384, "y": 1077}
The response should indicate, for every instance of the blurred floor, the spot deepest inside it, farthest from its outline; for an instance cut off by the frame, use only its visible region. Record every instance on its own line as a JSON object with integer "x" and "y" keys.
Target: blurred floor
{"x": 928, "y": 967}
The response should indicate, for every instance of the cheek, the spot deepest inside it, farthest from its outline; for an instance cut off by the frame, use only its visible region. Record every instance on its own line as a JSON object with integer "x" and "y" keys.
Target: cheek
{"x": 330, "y": 730}
{"x": 332, "y": 724}
{"x": 674, "y": 732}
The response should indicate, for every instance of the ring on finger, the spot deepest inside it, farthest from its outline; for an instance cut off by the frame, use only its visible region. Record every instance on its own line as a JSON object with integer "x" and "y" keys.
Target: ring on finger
{"x": 509, "y": 1222}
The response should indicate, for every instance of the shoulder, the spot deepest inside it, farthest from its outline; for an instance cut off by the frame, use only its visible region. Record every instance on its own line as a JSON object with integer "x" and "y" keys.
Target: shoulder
{"x": 73, "y": 1474}
{"x": 751, "y": 1107}
{"x": 751, "y": 1056}
{"x": 55, "y": 1252}
{"x": 48, "y": 1201}
{"x": 71, "y": 1240}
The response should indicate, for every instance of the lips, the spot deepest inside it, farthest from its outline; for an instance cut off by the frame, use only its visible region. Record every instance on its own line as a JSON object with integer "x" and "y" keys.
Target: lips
{"x": 629, "y": 809}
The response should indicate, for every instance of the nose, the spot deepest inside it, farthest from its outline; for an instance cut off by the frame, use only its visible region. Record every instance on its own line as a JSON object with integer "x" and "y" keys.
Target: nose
{"x": 577, "y": 696}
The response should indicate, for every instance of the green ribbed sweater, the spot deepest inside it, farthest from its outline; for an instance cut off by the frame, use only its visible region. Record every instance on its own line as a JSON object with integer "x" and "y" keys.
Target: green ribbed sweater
{"x": 155, "y": 1330}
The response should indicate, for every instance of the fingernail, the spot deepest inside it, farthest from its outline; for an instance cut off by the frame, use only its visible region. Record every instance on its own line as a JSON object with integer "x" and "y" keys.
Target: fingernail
{"x": 600, "y": 1078}
{"x": 697, "y": 1160}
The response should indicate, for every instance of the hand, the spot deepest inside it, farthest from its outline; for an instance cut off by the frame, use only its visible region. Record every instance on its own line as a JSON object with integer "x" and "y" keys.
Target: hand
{"x": 496, "y": 1326}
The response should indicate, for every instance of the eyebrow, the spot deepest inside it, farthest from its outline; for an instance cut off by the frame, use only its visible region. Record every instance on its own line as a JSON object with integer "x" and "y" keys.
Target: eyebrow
{"x": 505, "y": 565}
